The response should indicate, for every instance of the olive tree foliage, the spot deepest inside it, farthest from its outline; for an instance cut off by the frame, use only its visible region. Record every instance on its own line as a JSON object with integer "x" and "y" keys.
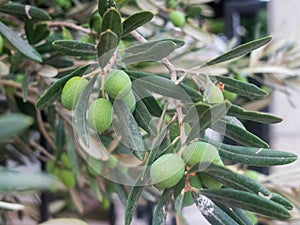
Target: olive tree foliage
{"x": 155, "y": 84}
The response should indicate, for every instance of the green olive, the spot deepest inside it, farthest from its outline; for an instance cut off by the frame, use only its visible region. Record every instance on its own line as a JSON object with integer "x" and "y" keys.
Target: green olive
{"x": 65, "y": 160}
{"x": 72, "y": 90}
{"x": 177, "y": 18}
{"x": 129, "y": 101}
{"x": 199, "y": 152}
{"x": 231, "y": 96}
{"x": 94, "y": 166}
{"x": 67, "y": 178}
{"x": 167, "y": 171}
{"x": 175, "y": 130}
{"x": 100, "y": 115}
{"x": 117, "y": 84}
{"x": 50, "y": 166}
{"x": 254, "y": 175}
{"x": 96, "y": 22}
{"x": 170, "y": 3}
{"x": 112, "y": 162}
{"x": 214, "y": 95}
{"x": 210, "y": 182}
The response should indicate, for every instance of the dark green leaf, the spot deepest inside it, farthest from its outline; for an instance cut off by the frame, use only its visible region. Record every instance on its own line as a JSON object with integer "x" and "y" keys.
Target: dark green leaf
{"x": 242, "y": 88}
{"x": 60, "y": 137}
{"x": 159, "y": 216}
{"x": 261, "y": 117}
{"x": 154, "y": 53}
{"x": 212, "y": 212}
{"x": 104, "y": 5}
{"x": 132, "y": 202}
{"x": 72, "y": 154}
{"x": 282, "y": 201}
{"x": 136, "y": 20}
{"x": 235, "y": 181}
{"x": 112, "y": 21}
{"x": 145, "y": 46}
{"x": 106, "y": 47}
{"x": 21, "y": 45}
{"x": 142, "y": 116}
{"x": 12, "y": 125}
{"x": 35, "y": 32}
{"x": 239, "y": 51}
{"x": 178, "y": 207}
{"x": 196, "y": 96}
{"x": 122, "y": 193}
{"x": 25, "y": 83}
{"x": 54, "y": 91}
{"x": 255, "y": 156}
{"x": 13, "y": 181}
{"x": 25, "y": 11}
{"x": 75, "y": 48}
{"x": 157, "y": 84}
{"x": 80, "y": 111}
{"x": 129, "y": 129}
{"x": 248, "y": 201}
{"x": 237, "y": 214}
{"x": 95, "y": 188}
{"x": 239, "y": 134}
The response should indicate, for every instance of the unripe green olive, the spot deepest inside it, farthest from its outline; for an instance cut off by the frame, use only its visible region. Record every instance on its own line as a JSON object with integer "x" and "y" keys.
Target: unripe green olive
{"x": 175, "y": 130}
{"x": 199, "y": 152}
{"x": 210, "y": 182}
{"x": 167, "y": 171}
{"x": 96, "y": 22}
{"x": 254, "y": 175}
{"x": 65, "y": 160}
{"x": 231, "y": 96}
{"x": 252, "y": 217}
{"x": 129, "y": 101}
{"x": 112, "y": 161}
{"x": 214, "y": 95}
{"x": 1, "y": 44}
{"x": 50, "y": 166}
{"x": 100, "y": 115}
{"x": 170, "y": 3}
{"x": 72, "y": 90}
{"x": 117, "y": 84}
{"x": 67, "y": 178}
{"x": 94, "y": 166}
{"x": 177, "y": 18}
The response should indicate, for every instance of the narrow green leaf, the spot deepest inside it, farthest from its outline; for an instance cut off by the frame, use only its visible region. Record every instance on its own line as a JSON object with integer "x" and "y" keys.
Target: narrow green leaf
{"x": 136, "y": 20}
{"x": 256, "y": 156}
{"x": 235, "y": 181}
{"x": 13, "y": 181}
{"x": 142, "y": 116}
{"x": 211, "y": 211}
{"x": 145, "y": 46}
{"x": 129, "y": 129}
{"x": 25, "y": 83}
{"x": 178, "y": 207}
{"x": 196, "y": 96}
{"x": 80, "y": 111}
{"x": 248, "y": 201}
{"x": 93, "y": 183}
{"x": 157, "y": 84}
{"x": 239, "y": 51}
{"x": 242, "y": 88}
{"x": 21, "y": 45}
{"x": 154, "y": 53}
{"x": 112, "y": 21}
{"x": 239, "y": 134}
{"x": 132, "y": 202}
{"x": 260, "y": 117}
{"x": 159, "y": 216}
{"x": 75, "y": 48}
{"x": 121, "y": 192}
{"x": 106, "y": 47}
{"x": 25, "y": 11}
{"x": 105, "y": 5}
{"x": 13, "y": 125}
{"x": 54, "y": 91}
{"x": 60, "y": 137}
{"x": 72, "y": 154}
{"x": 282, "y": 201}
{"x": 235, "y": 213}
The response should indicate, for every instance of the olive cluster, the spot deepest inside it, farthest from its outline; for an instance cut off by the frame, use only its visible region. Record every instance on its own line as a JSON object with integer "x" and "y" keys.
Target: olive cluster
{"x": 100, "y": 112}
{"x": 169, "y": 169}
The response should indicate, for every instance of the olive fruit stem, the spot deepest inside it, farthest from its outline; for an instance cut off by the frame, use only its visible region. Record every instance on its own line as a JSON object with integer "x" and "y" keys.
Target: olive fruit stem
{"x": 102, "y": 84}
{"x": 92, "y": 74}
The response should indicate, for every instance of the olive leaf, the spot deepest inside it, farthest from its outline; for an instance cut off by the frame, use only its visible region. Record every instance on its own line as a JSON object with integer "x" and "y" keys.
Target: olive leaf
{"x": 136, "y": 20}
{"x": 154, "y": 53}
{"x": 25, "y": 11}
{"x": 21, "y": 45}
{"x": 105, "y": 5}
{"x": 248, "y": 201}
{"x": 112, "y": 21}
{"x": 239, "y": 51}
{"x": 106, "y": 47}
{"x": 159, "y": 216}
{"x": 255, "y": 156}
{"x": 75, "y": 48}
